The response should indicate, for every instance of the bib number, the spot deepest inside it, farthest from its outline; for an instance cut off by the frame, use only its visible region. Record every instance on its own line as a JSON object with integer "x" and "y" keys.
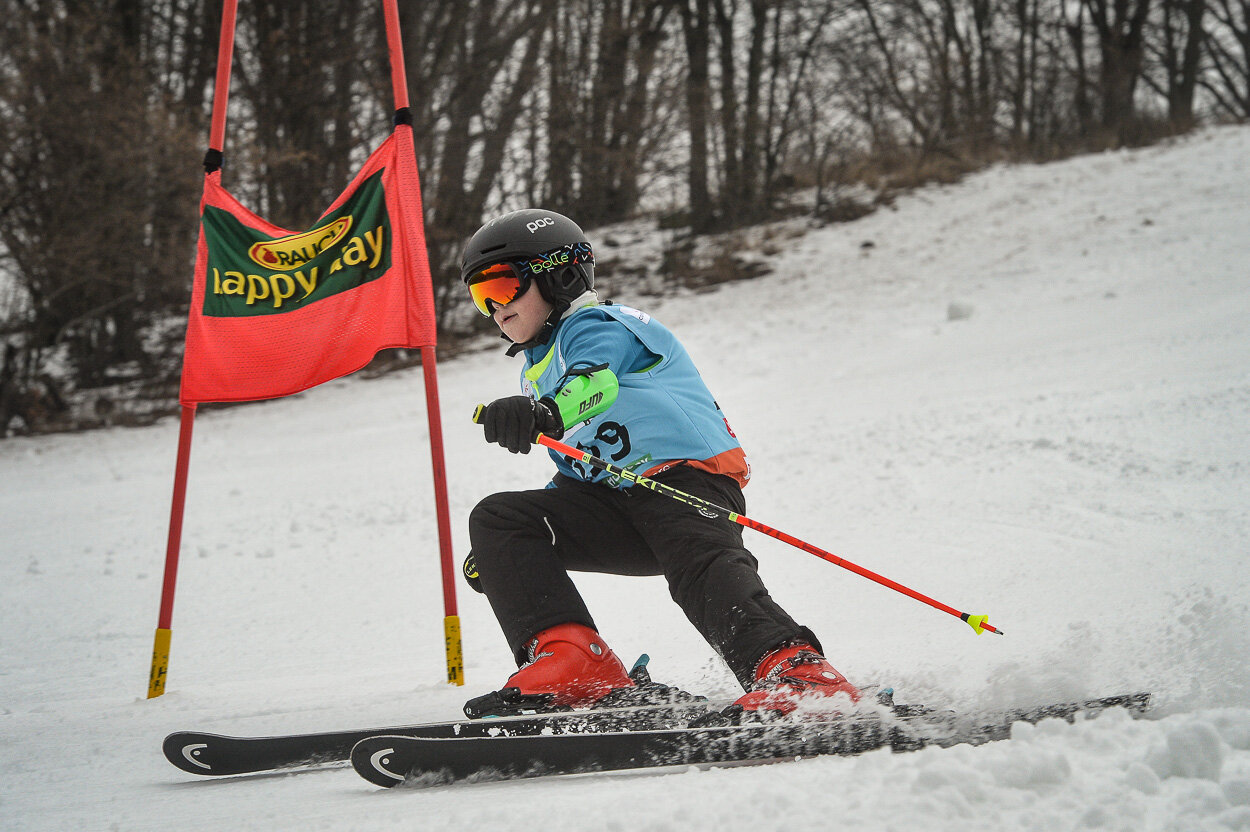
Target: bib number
{"x": 614, "y": 438}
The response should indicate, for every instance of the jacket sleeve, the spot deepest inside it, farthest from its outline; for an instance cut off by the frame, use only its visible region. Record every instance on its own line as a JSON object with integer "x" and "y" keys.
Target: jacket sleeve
{"x": 598, "y": 351}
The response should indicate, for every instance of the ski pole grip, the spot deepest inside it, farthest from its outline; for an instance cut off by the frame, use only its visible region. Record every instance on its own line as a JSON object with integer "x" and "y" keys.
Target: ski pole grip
{"x": 477, "y": 414}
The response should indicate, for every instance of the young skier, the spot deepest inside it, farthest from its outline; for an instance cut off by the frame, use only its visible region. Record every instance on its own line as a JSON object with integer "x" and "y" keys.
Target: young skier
{"x": 616, "y": 383}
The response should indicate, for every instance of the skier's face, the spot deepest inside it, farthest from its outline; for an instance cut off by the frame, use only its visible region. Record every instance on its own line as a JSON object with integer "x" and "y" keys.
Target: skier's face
{"x": 522, "y": 319}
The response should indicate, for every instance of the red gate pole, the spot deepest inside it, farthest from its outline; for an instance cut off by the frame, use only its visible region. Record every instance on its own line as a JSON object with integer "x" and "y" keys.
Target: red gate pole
{"x": 451, "y": 618}
{"x": 395, "y": 49}
{"x": 160, "y": 647}
{"x": 429, "y": 363}
{"x": 221, "y": 92}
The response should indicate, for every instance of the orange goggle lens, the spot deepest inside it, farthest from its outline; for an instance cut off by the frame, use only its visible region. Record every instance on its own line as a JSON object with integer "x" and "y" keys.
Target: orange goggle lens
{"x": 500, "y": 284}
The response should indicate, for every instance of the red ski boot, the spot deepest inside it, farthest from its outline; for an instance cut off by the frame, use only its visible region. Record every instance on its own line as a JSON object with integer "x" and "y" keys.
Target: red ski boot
{"x": 568, "y": 666}
{"x": 795, "y": 675}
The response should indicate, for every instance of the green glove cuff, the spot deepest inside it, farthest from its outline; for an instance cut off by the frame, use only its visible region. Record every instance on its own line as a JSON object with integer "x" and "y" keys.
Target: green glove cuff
{"x": 586, "y": 396}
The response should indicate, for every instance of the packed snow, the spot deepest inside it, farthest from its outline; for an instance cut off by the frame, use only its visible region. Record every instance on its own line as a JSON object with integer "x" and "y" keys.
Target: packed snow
{"x": 1026, "y": 395}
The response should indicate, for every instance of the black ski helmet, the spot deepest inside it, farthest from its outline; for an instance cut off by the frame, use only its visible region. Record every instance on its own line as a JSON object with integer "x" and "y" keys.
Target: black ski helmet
{"x": 530, "y": 235}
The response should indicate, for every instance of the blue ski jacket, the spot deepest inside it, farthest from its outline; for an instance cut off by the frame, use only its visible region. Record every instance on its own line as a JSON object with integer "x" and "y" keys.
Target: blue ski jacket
{"x": 664, "y": 414}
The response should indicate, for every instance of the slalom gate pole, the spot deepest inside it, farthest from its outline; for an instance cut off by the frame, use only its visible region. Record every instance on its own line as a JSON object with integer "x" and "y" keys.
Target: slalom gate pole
{"x": 164, "y": 623}
{"x": 221, "y": 89}
{"x": 710, "y": 509}
{"x": 212, "y": 161}
{"x": 451, "y": 617}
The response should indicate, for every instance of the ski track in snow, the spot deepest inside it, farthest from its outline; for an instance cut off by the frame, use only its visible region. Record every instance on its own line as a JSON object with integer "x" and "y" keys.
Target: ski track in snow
{"x": 1028, "y": 397}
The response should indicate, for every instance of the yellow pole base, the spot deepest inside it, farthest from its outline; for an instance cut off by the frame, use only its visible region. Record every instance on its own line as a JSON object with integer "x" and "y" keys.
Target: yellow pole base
{"x": 455, "y": 658}
{"x": 160, "y": 663}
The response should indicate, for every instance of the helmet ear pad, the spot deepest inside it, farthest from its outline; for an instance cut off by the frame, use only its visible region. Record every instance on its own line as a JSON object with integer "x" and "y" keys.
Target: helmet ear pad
{"x": 567, "y": 282}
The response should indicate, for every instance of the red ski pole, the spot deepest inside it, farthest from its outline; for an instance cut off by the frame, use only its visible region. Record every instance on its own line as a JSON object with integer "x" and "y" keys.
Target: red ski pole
{"x": 976, "y": 622}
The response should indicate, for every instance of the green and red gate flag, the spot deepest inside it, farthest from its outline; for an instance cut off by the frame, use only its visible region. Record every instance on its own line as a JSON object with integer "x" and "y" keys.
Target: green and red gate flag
{"x": 274, "y": 312}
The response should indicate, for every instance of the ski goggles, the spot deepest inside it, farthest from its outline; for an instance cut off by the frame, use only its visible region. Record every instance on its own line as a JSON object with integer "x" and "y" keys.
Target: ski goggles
{"x": 500, "y": 284}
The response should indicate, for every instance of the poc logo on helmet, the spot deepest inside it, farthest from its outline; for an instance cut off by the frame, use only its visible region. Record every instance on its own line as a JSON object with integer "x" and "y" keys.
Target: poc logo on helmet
{"x": 537, "y": 224}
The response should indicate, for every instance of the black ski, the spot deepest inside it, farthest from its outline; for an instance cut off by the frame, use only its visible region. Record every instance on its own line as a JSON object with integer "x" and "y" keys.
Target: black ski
{"x": 647, "y": 705}
{"x": 391, "y": 760}
{"x": 214, "y": 754}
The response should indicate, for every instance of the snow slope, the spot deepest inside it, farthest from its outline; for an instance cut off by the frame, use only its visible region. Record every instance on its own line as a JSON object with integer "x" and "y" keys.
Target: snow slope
{"x": 1029, "y": 397}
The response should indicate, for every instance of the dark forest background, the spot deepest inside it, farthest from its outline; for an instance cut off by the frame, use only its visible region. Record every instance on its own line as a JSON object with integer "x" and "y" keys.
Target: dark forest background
{"x": 700, "y": 115}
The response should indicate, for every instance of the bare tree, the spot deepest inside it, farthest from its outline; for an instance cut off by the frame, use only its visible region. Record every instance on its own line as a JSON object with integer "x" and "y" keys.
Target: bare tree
{"x": 1174, "y": 46}
{"x": 797, "y": 34}
{"x": 1229, "y": 48}
{"x": 696, "y": 28}
{"x": 1021, "y": 86}
{"x": 488, "y": 67}
{"x": 300, "y": 68}
{"x": 1120, "y": 25}
{"x": 605, "y": 110}
{"x": 765, "y": 52}
{"x": 97, "y": 212}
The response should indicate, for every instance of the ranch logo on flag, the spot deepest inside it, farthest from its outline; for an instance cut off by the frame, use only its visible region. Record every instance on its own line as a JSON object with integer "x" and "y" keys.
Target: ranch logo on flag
{"x": 251, "y": 273}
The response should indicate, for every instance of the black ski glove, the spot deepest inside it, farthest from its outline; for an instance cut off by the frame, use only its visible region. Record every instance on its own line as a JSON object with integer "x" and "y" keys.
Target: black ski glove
{"x": 516, "y": 421}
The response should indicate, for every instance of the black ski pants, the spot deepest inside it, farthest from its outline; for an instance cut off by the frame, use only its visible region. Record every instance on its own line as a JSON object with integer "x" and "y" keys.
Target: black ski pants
{"x": 525, "y": 542}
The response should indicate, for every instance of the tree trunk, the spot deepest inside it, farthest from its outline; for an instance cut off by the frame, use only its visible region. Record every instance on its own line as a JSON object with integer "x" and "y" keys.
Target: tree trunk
{"x": 561, "y": 134}
{"x": 1082, "y": 104}
{"x": 1181, "y": 94}
{"x": 1121, "y": 50}
{"x": 751, "y": 134}
{"x": 695, "y": 26}
{"x": 731, "y": 143}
